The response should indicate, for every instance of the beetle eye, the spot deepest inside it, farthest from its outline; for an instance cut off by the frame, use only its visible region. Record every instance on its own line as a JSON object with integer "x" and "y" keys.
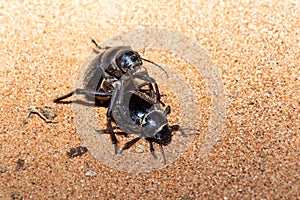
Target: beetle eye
{"x": 133, "y": 58}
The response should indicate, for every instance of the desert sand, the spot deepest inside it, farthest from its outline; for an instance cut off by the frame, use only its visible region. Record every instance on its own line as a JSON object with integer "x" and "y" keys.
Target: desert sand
{"x": 255, "y": 50}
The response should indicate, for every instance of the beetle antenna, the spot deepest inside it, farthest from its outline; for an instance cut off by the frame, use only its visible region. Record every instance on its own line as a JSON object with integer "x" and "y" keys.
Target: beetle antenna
{"x": 163, "y": 154}
{"x": 149, "y": 61}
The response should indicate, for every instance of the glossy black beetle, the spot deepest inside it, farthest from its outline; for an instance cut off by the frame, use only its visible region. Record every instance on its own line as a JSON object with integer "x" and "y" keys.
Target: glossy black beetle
{"x": 139, "y": 111}
{"x": 105, "y": 69}
{"x": 104, "y": 72}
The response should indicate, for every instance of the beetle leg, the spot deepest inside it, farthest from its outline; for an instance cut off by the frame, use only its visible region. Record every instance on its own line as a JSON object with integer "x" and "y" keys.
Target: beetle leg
{"x": 113, "y": 101}
{"x": 64, "y": 96}
{"x": 145, "y": 78}
{"x": 157, "y": 93}
{"x": 158, "y": 96}
{"x": 129, "y": 144}
{"x": 106, "y": 131}
{"x": 152, "y": 150}
{"x": 99, "y": 47}
{"x": 82, "y": 91}
{"x": 167, "y": 110}
{"x": 151, "y": 81}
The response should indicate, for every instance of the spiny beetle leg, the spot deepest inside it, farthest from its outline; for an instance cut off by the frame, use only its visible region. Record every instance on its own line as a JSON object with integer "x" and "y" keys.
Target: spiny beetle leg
{"x": 129, "y": 144}
{"x": 82, "y": 91}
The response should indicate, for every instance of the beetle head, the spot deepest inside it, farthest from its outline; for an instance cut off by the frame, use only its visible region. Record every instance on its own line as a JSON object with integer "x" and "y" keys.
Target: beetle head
{"x": 129, "y": 61}
{"x": 164, "y": 135}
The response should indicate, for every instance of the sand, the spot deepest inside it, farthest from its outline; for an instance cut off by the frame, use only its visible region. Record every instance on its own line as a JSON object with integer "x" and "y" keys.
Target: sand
{"x": 247, "y": 141}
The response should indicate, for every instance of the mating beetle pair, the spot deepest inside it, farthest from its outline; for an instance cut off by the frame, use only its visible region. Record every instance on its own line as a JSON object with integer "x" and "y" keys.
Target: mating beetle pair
{"x": 117, "y": 77}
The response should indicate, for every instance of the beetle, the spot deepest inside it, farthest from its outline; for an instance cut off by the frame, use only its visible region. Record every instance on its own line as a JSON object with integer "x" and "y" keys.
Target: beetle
{"x": 104, "y": 72}
{"x": 110, "y": 64}
{"x": 139, "y": 111}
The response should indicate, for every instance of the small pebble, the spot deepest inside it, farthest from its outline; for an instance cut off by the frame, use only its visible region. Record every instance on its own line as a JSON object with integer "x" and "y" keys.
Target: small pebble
{"x": 90, "y": 173}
